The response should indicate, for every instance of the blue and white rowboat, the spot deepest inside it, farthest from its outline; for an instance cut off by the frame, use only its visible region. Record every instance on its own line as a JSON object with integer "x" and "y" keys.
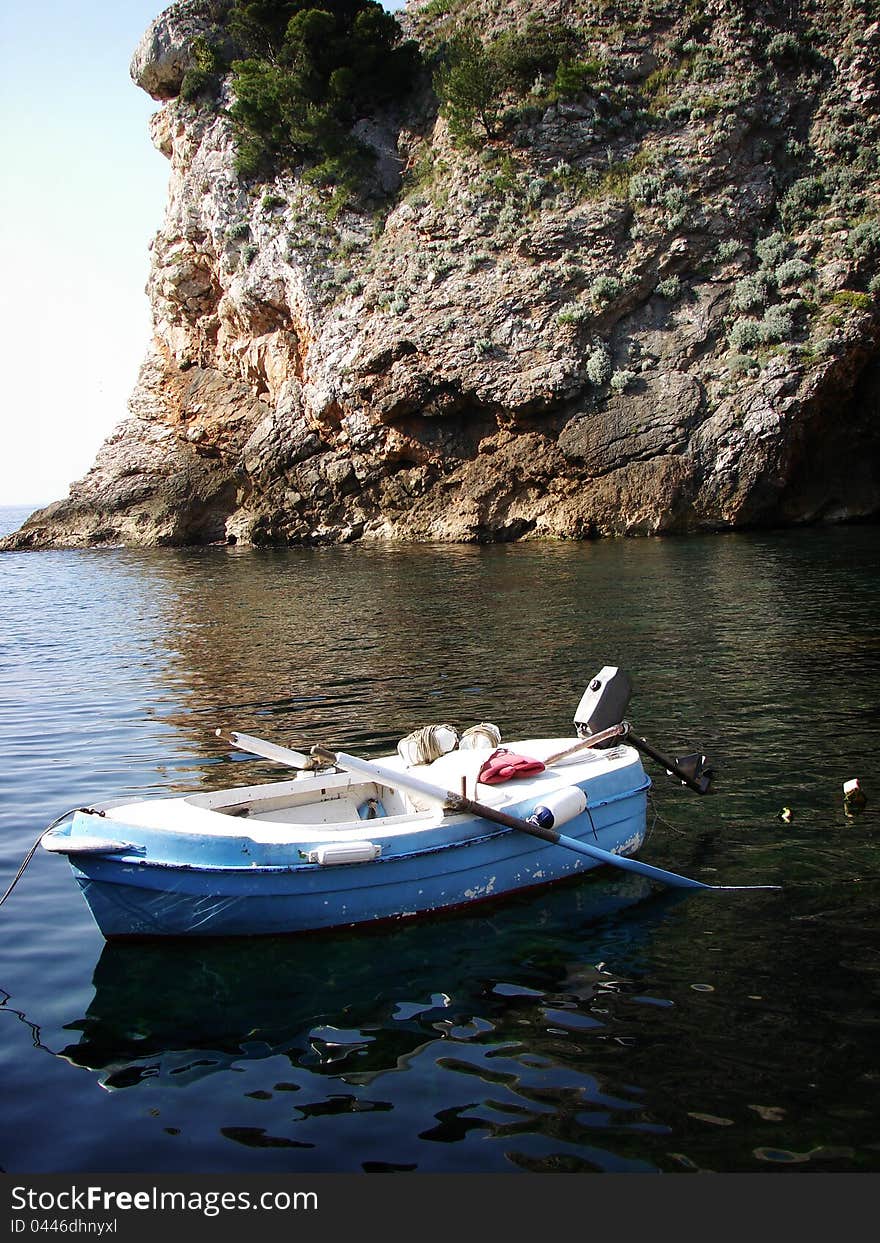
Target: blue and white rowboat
{"x": 339, "y": 847}
{"x": 350, "y": 841}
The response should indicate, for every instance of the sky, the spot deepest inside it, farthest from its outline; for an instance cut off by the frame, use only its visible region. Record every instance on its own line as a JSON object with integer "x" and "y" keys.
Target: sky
{"x": 82, "y": 192}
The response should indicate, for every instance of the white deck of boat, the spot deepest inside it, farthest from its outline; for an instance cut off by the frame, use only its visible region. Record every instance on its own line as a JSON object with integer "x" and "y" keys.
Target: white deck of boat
{"x": 309, "y": 807}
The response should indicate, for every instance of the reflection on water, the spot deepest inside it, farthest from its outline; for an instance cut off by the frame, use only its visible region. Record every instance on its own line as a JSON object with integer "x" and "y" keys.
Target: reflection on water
{"x": 274, "y": 994}
{"x": 594, "y": 1027}
{"x": 331, "y": 1024}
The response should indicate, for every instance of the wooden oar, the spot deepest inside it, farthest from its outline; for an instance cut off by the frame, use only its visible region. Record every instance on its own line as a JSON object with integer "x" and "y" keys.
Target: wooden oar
{"x": 269, "y": 750}
{"x": 458, "y": 803}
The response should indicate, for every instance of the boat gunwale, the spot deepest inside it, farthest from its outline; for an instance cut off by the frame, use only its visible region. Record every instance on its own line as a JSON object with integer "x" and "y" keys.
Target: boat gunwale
{"x": 254, "y": 869}
{"x": 270, "y": 832}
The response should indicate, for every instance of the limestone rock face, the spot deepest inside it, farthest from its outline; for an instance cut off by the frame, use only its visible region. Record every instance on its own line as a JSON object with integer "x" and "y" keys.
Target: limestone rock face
{"x": 650, "y": 307}
{"x": 163, "y": 55}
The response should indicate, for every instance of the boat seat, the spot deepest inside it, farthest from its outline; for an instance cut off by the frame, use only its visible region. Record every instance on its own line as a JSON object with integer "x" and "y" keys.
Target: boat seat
{"x": 446, "y": 772}
{"x": 458, "y": 771}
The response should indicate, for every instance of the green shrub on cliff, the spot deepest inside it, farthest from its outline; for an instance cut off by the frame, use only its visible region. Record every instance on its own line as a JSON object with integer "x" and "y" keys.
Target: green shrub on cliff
{"x": 574, "y": 77}
{"x": 621, "y": 380}
{"x": 205, "y": 74}
{"x": 800, "y": 200}
{"x": 469, "y": 85}
{"x": 864, "y": 240}
{"x": 784, "y": 49}
{"x": 575, "y": 313}
{"x": 670, "y": 288}
{"x": 853, "y": 299}
{"x": 793, "y": 272}
{"x": 473, "y": 79}
{"x": 745, "y": 334}
{"x": 309, "y": 70}
{"x": 598, "y": 366}
{"x": 524, "y": 55}
{"x": 776, "y": 325}
{"x": 605, "y": 289}
{"x": 772, "y": 249}
{"x": 751, "y": 292}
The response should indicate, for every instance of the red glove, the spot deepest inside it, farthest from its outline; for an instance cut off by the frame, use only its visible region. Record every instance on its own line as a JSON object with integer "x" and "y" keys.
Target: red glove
{"x": 502, "y": 765}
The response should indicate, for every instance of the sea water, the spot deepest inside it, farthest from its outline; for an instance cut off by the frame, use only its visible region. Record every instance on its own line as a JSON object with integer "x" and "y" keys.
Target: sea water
{"x": 604, "y": 1025}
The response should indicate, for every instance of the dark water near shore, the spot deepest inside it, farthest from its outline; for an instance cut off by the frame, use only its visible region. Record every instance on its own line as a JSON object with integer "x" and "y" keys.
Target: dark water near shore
{"x": 601, "y": 1026}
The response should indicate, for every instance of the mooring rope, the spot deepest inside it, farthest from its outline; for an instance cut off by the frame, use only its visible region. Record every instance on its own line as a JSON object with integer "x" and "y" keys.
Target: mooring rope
{"x": 33, "y": 1028}
{"x": 480, "y": 736}
{"x": 33, "y": 850}
{"x": 661, "y": 820}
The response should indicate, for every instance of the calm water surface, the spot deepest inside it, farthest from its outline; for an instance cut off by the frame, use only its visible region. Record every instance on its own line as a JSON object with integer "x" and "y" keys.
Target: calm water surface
{"x": 601, "y": 1026}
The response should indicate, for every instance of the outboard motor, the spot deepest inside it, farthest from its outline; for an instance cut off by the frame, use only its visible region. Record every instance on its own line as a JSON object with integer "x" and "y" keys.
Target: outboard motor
{"x": 603, "y": 705}
{"x": 604, "y": 702}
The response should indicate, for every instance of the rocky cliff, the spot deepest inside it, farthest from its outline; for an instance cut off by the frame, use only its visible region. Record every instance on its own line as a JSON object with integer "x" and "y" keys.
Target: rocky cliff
{"x": 644, "y": 299}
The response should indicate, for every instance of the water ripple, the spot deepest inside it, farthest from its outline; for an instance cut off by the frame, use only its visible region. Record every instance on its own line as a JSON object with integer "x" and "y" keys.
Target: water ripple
{"x": 601, "y": 1026}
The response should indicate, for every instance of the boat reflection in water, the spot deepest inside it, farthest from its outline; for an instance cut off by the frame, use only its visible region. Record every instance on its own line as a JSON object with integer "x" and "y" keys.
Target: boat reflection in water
{"x": 353, "y": 1004}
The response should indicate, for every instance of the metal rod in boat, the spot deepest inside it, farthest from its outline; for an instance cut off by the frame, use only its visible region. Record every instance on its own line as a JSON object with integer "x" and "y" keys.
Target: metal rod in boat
{"x": 458, "y": 803}
{"x": 694, "y": 776}
{"x": 595, "y": 740}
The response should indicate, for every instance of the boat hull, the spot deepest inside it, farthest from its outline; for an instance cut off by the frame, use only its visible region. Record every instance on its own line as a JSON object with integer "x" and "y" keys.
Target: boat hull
{"x": 137, "y": 899}
{"x": 299, "y": 856}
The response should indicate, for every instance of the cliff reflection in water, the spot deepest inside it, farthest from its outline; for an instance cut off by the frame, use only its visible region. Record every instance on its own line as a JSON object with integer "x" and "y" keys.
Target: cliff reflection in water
{"x": 351, "y": 648}
{"x": 358, "y": 646}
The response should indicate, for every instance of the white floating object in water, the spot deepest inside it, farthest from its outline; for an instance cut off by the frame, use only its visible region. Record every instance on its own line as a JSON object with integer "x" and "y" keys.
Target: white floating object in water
{"x": 853, "y": 796}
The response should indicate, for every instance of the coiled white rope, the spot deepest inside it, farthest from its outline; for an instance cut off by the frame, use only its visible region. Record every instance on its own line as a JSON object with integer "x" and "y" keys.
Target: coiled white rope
{"x": 425, "y": 745}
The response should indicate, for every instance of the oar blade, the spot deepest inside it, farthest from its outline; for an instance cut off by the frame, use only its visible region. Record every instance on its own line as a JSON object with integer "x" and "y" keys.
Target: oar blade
{"x": 267, "y": 750}
{"x": 628, "y": 864}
